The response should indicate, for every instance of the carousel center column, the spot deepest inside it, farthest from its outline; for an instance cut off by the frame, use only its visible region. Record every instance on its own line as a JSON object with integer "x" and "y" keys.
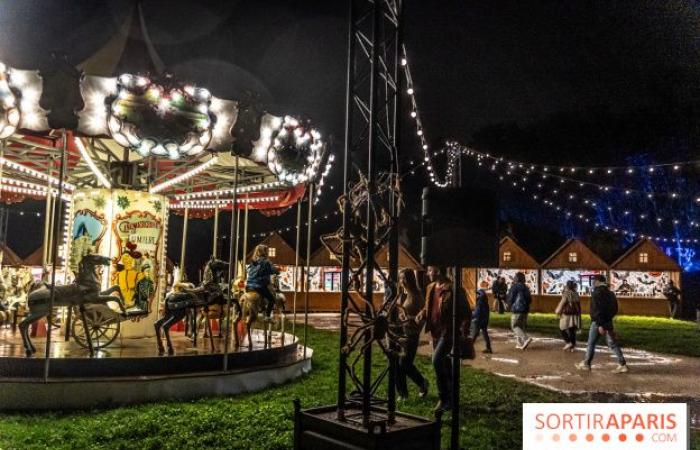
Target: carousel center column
{"x": 128, "y": 226}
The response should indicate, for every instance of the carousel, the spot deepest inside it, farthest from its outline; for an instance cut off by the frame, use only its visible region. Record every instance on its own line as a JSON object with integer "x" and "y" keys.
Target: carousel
{"x": 114, "y": 156}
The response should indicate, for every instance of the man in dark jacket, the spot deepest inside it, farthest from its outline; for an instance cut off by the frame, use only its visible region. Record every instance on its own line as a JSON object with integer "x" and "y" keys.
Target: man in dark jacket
{"x": 673, "y": 295}
{"x": 519, "y": 300}
{"x": 603, "y": 311}
{"x": 437, "y": 314}
{"x": 499, "y": 289}
{"x": 480, "y": 319}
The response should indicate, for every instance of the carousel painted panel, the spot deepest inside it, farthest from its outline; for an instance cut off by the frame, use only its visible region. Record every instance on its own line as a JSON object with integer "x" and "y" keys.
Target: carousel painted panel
{"x": 626, "y": 283}
{"x": 486, "y": 277}
{"x": 554, "y": 280}
{"x": 128, "y": 227}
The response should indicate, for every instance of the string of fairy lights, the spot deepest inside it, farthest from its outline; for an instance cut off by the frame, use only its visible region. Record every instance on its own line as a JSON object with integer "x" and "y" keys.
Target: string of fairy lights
{"x": 515, "y": 181}
{"x": 565, "y": 176}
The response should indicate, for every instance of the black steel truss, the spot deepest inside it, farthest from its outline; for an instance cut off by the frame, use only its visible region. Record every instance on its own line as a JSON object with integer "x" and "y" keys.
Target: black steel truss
{"x": 371, "y": 204}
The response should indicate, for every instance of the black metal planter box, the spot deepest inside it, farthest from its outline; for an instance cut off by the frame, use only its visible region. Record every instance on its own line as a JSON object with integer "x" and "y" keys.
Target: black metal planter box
{"x": 319, "y": 428}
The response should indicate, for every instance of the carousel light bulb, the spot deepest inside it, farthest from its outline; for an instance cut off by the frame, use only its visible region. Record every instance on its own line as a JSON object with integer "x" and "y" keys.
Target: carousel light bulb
{"x": 403, "y": 61}
{"x": 413, "y": 114}
{"x": 410, "y": 91}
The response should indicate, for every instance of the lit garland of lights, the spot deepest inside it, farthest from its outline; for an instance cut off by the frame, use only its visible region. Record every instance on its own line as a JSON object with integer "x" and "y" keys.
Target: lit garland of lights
{"x": 241, "y": 190}
{"x": 33, "y": 173}
{"x": 211, "y": 204}
{"x": 295, "y": 152}
{"x": 557, "y": 173}
{"x": 415, "y": 115}
{"x": 183, "y": 177}
{"x": 21, "y": 184}
{"x": 293, "y": 227}
{"x": 155, "y": 102}
{"x": 592, "y": 221}
{"x": 322, "y": 181}
{"x": 98, "y": 174}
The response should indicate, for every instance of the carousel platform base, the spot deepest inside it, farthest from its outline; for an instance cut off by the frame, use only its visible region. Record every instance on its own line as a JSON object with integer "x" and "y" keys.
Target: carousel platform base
{"x": 320, "y": 428}
{"x": 130, "y": 371}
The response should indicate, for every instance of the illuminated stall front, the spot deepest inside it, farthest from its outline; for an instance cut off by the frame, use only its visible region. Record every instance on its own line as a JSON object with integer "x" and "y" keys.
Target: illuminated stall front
{"x": 638, "y": 278}
{"x": 512, "y": 258}
{"x": 324, "y": 294}
{"x": 572, "y": 261}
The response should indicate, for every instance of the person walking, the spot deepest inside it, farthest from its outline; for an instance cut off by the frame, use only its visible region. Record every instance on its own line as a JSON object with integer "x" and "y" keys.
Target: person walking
{"x": 499, "y": 288}
{"x": 480, "y": 320}
{"x": 569, "y": 312}
{"x": 519, "y": 300}
{"x": 672, "y": 294}
{"x": 411, "y": 303}
{"x": 437, "y": 313}
{"x": 603, "y": 311}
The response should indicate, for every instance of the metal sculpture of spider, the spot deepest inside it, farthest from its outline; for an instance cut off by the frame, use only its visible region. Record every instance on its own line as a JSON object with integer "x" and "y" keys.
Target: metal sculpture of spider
{"x": 378, "y": 325}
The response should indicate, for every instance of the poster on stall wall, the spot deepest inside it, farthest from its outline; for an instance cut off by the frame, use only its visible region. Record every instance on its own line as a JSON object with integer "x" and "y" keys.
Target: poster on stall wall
{"x": 639, "y": 284}
{"x": 488, "y": 276}
{"x": 553, "y": 280}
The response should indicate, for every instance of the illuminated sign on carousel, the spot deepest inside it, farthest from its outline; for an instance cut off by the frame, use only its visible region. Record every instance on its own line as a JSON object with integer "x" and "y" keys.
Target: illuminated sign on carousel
{"x": 160, "y": 119}
{"x": 20, "y": 91}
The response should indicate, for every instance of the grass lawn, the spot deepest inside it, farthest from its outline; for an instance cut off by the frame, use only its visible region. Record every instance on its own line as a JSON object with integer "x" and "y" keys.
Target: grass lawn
{"x": 645, "y": 333}
{"x": 491, "y": 416}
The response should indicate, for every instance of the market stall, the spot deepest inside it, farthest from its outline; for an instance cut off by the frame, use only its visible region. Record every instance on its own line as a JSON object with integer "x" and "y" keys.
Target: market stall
{"x": 638, "y": 278}
{"x": 512, "y": 258}
{"x": 325, "y": 271}
{"x": 572, "y": 261}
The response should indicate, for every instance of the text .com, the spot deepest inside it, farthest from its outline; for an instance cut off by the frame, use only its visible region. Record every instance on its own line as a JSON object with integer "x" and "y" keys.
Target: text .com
{"x": 612, "y": 425}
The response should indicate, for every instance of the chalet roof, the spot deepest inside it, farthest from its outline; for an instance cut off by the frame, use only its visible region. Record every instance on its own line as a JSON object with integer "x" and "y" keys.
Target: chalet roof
{"x": 658, "y": 260}
{"x": 322, "y": 258}
{"x": 284, "y": 253}
{"x": 520, "y": 259}
{"x": 586, "y": 259}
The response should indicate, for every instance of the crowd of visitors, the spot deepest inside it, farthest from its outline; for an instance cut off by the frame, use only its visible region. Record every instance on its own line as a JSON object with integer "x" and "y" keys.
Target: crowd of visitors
{"x": 432, "y": 311}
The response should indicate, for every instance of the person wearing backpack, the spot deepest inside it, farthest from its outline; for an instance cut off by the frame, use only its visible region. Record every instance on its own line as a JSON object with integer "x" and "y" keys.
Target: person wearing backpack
{"x": 569, "y": 312}
{"x": 519, "y": 300}
{"x": 499, "y": 288}
{"x": 603, "y": 311}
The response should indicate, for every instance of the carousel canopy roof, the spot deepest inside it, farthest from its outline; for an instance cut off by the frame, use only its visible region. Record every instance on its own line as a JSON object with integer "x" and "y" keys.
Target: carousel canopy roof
{"x": 133, "y": 125}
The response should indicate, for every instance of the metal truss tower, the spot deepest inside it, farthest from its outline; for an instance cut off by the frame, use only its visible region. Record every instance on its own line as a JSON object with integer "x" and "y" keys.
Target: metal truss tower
{"x": 371, "y": 204}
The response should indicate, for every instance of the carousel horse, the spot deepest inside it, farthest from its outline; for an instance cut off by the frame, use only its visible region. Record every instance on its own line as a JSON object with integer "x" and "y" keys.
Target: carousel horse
{"x": 84, "y": 290}
{"x": 179, "y": 302}
{"x": 252, "y": 304}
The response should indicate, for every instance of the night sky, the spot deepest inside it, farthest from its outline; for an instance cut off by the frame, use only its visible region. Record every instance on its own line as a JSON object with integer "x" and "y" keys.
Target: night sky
{"x": 609, "y": 82}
